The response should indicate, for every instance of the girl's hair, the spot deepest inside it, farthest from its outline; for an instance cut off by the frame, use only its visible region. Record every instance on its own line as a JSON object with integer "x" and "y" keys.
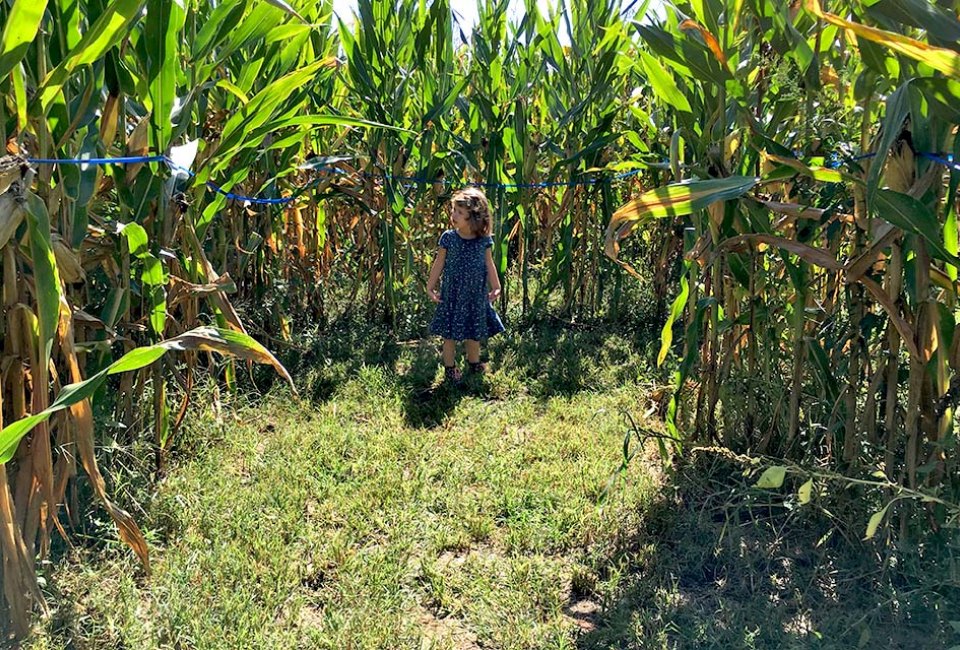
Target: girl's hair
{"x": 478, "y": 209}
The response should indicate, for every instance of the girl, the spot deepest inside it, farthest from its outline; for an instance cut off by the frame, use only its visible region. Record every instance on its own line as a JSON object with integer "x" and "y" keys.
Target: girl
{"x": 464, "y": 312}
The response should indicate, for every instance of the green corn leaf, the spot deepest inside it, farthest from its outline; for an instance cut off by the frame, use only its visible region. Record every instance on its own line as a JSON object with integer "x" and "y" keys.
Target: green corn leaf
{"x": 938, "y": 23}
{"x": 72, "y": 394}
{"x": 898, "y": 107}
{"x": 153, "y": 274}
{"x": 20, "y": 95}
{"x": 45, "y": 276}
{"x": 221, "y": 22}
{"x": 445, "y": 104}
{"x": 912, "y": 216}
{"x": 951, "y": 239}
{"x": 280, "y": 4}
{"x": 136, "y": 236}
{"x": 158, "y": 309}
{"x": 23, "y": 21}
{"x": 676, "y": 200}
{"x": 211, "y": 339}
{"x": 154, "y": 279}
{"x": 164, "y": 22}
{"x": 233, "y": 89}
{"x": 676, "y": 311}
{"x": 938, "y": 58}
{"x": 11, "y": 434}
{"x": 663, "y": 84}
{"x": 263, "y": 106}
{"x": 136, "y": 359}
{"x": 112, "y": 25}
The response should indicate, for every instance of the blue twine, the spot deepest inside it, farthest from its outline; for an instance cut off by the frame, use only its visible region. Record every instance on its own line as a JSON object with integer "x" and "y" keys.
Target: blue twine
{"x": 254, "y": 200}
{"x": 410, "y": 180}
{"x": 431, "y": 181}
{"x": 946, "y": 161}
{"x": 120, "y": 160}
{"x": 835, "y": 162}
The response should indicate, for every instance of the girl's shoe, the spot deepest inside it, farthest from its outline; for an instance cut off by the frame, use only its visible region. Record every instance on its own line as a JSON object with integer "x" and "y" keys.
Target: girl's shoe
{"x": 452, "y": 374}
{"x": 478, "y": 368}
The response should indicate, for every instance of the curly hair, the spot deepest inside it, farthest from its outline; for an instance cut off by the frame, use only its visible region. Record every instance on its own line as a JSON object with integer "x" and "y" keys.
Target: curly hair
{"x": 478, "y": 209}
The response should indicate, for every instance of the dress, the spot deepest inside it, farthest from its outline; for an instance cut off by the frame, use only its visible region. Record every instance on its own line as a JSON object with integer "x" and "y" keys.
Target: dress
{"x": 464, "y": 311}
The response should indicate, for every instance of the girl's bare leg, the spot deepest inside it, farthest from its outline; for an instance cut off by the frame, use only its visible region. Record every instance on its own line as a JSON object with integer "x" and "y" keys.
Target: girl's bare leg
{"x": 449, "y": 352}
{"x": 473, "y": 351}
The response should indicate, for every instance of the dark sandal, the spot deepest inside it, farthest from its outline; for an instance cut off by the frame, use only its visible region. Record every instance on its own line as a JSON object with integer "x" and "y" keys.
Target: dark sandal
{"x": 478, "y": 368}
{"x": 452, "y": 374}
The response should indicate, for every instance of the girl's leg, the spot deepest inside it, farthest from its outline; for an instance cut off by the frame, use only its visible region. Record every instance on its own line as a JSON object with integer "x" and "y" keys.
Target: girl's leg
{"x": 473, "y": 351}
{"x": 450, "y": 371}
{"x": 449, "y": 353}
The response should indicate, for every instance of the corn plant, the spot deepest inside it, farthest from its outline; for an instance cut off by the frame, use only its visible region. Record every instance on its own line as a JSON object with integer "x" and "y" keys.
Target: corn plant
{"x": 818, "y": 296}
{"x": 127, "y": 262}
{"x": 812, "y": 315}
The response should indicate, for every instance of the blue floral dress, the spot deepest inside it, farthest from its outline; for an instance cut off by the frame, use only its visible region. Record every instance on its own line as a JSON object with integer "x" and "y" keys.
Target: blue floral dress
{"x": 464, "y": 311}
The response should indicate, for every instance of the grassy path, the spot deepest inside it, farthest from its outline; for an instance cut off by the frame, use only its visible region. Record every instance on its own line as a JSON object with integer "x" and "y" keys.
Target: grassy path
{"x": 385, "y": 511}
{"x": 390, "y": 514}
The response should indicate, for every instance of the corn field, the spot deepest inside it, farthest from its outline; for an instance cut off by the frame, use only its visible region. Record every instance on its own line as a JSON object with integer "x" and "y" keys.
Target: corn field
{"x": 781, "y": 171}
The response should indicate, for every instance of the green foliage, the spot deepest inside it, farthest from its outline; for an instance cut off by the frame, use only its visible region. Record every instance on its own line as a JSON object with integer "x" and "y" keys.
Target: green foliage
{"x": 830, "y": 288}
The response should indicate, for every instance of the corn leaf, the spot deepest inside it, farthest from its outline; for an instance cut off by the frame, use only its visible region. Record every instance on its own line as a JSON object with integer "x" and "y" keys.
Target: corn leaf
{"x": 897, "y": 109}
{"x": 280, "y": 4}
{"x": 164, "y": 22}
{"x": 938, "y": 23}
{"x": 210, "y": 339}
{"x": 112, "y": 25}
{"x": 23, "y": 21}
{"x": 663, "y": 84}
{"x": 912, "y": 216}
{"x": 938, "y": 58}
{"x": 45, "y": 276}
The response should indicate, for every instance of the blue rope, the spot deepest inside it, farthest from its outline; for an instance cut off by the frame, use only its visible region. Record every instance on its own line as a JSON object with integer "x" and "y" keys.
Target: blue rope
{"x": 947, "y": 160}
{"x": 255, "y": 200}
{"x": 120, "y": 160}
{"x": 431, "y": 181}
{"x": 834, "y": 162}
{"x": 943, "y": 159}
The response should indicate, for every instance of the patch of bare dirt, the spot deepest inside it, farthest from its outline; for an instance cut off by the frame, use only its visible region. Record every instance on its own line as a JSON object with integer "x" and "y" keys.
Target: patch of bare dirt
{"x": 445, "y": 632}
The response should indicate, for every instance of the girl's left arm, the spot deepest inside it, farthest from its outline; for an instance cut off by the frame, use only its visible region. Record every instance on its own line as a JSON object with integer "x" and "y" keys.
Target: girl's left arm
{"x": 492, "y": 278}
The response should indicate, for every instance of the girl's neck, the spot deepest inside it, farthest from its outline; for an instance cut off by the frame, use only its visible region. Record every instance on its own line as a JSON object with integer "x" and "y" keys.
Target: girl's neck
{"x": 465, "y": 235}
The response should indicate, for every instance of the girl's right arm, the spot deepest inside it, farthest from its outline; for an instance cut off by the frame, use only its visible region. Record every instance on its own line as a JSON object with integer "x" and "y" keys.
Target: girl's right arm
{"x": 435, "y": 272}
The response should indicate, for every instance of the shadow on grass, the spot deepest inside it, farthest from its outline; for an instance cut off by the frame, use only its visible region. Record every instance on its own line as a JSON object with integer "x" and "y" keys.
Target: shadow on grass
{"x": 427, "y": 400}
{"x": 543, "y": 359}
{"x": 720, "y": 565}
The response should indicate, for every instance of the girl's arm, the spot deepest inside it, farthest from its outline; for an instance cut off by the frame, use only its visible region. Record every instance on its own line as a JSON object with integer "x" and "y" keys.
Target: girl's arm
{"x": 435, "y": 272}
{"x": 492, "y": 278}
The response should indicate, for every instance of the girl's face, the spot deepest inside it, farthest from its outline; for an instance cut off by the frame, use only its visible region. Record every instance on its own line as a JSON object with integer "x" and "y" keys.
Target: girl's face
{"x": 459, "y": 217}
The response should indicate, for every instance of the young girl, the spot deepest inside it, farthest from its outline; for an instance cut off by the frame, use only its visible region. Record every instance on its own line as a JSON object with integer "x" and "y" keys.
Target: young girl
{"x": 464, "y": 312}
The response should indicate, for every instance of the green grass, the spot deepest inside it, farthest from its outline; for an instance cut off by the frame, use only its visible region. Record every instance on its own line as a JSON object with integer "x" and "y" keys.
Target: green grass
{"x": 387, "y": 510}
